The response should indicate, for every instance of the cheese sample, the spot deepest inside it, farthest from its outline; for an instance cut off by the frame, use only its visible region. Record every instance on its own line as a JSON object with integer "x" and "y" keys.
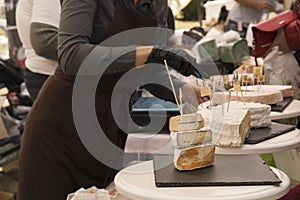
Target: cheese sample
{"x": 195, "y": 157}
{"x": 229, "y": 129}
{"x": 264, "y": 97}
{"x": 286, "y": 90}
{"x": 186, "y": 122}
{"x": 259, "y": 113}
{"x": 188, "y": 138}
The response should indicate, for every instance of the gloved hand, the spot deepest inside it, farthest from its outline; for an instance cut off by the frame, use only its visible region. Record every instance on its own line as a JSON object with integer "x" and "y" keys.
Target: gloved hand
{"x": 178, "y": 59}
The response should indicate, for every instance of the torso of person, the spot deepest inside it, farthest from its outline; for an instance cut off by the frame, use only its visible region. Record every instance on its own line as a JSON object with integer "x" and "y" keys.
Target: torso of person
{"x": 244, "y": 14}
{"x": 41, "y": 11}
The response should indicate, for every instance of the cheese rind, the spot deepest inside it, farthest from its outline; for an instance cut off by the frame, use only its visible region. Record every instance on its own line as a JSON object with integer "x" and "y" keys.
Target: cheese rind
{"x": 188, "y": 138}
{"x": 195, "y": 157}
{"x": 186, "y": 122}
{"x": 286, "y": 90}
{"x": 268, "y": 97}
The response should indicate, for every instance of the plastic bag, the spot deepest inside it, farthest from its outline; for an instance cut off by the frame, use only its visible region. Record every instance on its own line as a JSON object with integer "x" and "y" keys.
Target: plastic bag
{"x": 281, "y": 69}
{"x": 92, "y": 193}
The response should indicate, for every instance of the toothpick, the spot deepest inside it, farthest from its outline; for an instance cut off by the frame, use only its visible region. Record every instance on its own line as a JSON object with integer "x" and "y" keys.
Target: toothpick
{"x": 222, "y": 103}
{"x": 171, "y": 82}
{"x": 237, "y": 89}
{"x": 229, "y": 99}
{"x": 210, "y": 99}
{"x": 180, "y": 100}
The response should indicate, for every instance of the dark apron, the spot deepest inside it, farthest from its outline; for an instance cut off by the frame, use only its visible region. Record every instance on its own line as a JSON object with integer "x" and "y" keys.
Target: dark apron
{"x": 53, "y": 160}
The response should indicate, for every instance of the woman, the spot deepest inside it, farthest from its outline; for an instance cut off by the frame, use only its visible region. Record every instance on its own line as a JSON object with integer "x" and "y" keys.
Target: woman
{"x": 245, "y": 12}
{"x": 218, "y": 29}
{"x": 54, "y": 160}
{"x": 37, "y": 23}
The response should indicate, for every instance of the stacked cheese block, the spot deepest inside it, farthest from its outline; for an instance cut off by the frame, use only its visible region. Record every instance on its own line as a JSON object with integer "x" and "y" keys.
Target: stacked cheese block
{"x": 192, "y": 142}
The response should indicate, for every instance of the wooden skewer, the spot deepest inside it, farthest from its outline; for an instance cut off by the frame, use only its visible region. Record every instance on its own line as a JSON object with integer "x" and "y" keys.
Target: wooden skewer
{"x": 173, "y": 89}
{"x": 229, "y": 99}
{"x": 180, "y": 100}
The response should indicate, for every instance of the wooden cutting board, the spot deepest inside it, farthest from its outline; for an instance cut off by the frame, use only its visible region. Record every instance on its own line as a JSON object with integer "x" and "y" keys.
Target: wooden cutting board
{"x": 228, "y": 170}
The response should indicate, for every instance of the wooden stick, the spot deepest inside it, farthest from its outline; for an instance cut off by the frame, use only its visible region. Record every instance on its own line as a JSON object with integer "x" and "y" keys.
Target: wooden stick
{"x": 229, "y": 99}
{"x": 256, "y": 62}
{"x": 210, "y": 100}
{"x": 180, "y": 100}
{"x": 243, "y": 99}
{"x": 173, "y": 89}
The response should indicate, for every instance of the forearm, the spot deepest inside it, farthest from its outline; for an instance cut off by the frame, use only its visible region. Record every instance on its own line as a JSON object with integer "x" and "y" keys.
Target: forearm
{"x": 142, "y": 54}
{"x": 115, "y": 59}
{"x": 250, "y": 3}
{"x": 257, "y": 4}
{"x": 163, "y": 92}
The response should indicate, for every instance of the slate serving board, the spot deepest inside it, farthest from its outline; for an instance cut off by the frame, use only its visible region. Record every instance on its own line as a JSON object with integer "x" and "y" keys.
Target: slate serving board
{"x": 258, "y": 135}
{"x": 279, "y": 107}
{"x": 228, "y": 170}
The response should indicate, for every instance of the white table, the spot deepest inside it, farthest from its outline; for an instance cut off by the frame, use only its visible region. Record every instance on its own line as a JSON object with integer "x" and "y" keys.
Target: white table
{"x": 137, "y": 182}
{"x": 280, "y": 143}
{"x": 161, "y": 144}
{"x": 292, "y": 110}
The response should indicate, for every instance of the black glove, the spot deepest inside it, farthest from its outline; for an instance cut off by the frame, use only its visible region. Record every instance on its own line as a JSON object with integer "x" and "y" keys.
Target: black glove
{"x": 178, "y": 59}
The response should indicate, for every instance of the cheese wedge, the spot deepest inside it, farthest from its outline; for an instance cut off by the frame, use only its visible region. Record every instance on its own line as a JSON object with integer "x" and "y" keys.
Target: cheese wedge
{"x": 186, "y": 122}
{"x": 195, "y": 157}
{"x": 229, "y": 129}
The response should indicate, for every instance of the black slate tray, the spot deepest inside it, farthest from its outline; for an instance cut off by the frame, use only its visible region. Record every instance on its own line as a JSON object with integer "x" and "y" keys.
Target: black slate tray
{"x": 228, "y": 170}
{"x": 262, "y": 134}
{"x": 279, "y": 107}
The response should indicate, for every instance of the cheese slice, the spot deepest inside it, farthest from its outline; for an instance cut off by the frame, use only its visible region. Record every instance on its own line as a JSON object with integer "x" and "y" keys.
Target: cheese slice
{"x": 186, "y": 122}
{"x": 195, "y": 157}
{"x": 188, "y": 138}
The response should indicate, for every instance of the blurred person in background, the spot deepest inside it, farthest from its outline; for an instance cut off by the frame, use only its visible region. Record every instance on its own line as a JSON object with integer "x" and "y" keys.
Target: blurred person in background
{"x": 37, "y": 24}
{"x": 245, "y": 12}
{"x": 218, "y": 29}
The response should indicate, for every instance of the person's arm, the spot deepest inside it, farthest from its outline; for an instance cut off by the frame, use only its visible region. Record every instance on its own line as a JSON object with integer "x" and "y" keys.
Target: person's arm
{"x": 74, "y": 46}
{"x": 74, "y": 41}
{"x": 257, "y": 4}
{"x": 43, "y": 39}
{"x": 292, "y": 35}
{"x": 44, "y": 28}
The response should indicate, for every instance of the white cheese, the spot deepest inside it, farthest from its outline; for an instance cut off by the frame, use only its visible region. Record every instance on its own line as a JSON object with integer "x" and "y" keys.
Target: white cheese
{"x": 229, "y": 129}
